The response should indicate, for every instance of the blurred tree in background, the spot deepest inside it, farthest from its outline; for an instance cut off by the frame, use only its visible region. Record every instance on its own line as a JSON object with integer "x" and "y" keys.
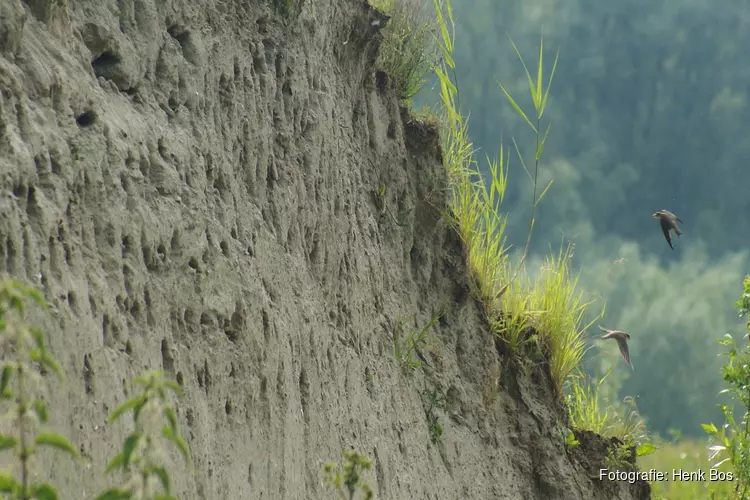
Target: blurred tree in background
{"x": 649, "y": 109}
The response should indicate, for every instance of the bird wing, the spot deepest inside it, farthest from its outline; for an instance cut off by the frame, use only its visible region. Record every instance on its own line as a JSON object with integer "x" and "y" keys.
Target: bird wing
{"x": 623, "y": 344}
{"x": 665, "y": 226}
{"x": 602, "y": 329}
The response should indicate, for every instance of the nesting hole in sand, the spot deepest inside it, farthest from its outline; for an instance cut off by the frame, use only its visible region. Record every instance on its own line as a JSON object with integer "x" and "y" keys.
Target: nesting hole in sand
{"x": 86, "y": 119}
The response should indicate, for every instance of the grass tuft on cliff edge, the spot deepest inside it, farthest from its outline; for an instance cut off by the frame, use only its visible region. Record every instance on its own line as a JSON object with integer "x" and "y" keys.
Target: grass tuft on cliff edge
{"x": 532, "y": 313}
{"x": 548, "y": 308}
{"x": 409, "y": 48}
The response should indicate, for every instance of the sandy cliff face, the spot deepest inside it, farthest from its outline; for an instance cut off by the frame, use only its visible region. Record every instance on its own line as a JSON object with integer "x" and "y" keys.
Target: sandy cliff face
{"x": 192, "y": 184}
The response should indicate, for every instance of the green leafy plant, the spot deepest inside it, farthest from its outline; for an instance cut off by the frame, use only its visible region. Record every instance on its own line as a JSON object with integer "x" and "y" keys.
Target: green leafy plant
{"x": 539, "y": 98}
{"x": 590, "y": 411}
{"x": 732, "y": 440}
{"x": 552, "y": 305}
{"x": 26, "y": 360}
{"x": 569, "y": 438}
{"x": 618, "y": 456}
{"x": 405, "y": 349}
{"x": 433, "y": 400}
{"x": 141, "y": 452}
{"x": 347, "y": 481}
{"x": 407, "y": 52}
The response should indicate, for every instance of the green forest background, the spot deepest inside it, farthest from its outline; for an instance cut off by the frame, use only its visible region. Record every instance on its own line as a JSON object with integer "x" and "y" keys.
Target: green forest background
{"x": 649, "y": 111}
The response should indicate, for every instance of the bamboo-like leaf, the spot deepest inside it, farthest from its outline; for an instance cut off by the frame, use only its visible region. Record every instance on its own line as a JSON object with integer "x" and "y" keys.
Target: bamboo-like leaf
{"x": 115, "y": 463}
{"x": 549, "y": 184}
{"x": 528, "y": 75}
{"x": 709, "y": 428}
{"x": 128, "y": 405}
{"x": 520, "y": 158}
{"x": 549, "y": 84}
{"x": 122, "y": 460}
{"x": 543, "y": 142}
{"x": 453, "y": 91}
{"x": 173, "y": 386}
{"x": 178, "y": 441}
{"x": 55, "y": 440}
{"x": 517, "y": 108}
{"x": 161, "y": 473}
{"x": 443, "y": 27}
{"x": 447, "y": 56}
{"x": 7, "y": 442}
{"x": 538, "y": 90}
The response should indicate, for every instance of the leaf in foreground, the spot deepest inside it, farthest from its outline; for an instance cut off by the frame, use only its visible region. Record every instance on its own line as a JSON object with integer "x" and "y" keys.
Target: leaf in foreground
{"x": 645, "y": 449}
{"x": 55, "y": 440}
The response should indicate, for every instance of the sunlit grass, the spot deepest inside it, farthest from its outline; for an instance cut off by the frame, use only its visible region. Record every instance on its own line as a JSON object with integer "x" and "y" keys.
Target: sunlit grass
{"x": 589, "y": 411}
{"x": 550, "y": 303}
{"x": 556, "y": 309}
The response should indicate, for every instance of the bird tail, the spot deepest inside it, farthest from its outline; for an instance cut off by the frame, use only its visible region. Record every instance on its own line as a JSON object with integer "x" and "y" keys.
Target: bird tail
{"x": 677, "y": 230}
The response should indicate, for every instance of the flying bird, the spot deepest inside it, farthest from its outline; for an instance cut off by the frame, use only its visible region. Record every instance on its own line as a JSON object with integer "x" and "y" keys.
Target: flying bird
{"x": 668, "y": 221}
{"x": 622, "y": 342}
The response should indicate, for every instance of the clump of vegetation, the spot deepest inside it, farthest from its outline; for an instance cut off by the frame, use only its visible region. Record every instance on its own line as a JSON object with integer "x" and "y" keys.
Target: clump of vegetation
{"x": 589, "y": 411}
{"x": 553, "y": 306}
{"x": 433, "y": 400}
{"x": 550, "y": 305}
{"x": 405, "y": 348}
{"x": 408, "y": 50}
{"x": 141, "y": 452}
{"x": 618, "y": 457}
{"x": 732, "y": 441}
{"x": 26, "y": 362}
{"x": 21, "y": 379}
{"x": 348, "y": 482}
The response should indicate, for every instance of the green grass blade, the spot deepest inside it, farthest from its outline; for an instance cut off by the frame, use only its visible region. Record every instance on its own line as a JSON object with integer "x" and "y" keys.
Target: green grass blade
{"x": 517, "y": 108}
{"x": 543, "y": 142}
{"x": 520, "y": 158}
{"x": 55, "y": 440}
{"x": 549, "y": 83}
{"x": 532, "y": 90}
{"x": 549, "y": 184}
{"x": 538, "y": 90}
